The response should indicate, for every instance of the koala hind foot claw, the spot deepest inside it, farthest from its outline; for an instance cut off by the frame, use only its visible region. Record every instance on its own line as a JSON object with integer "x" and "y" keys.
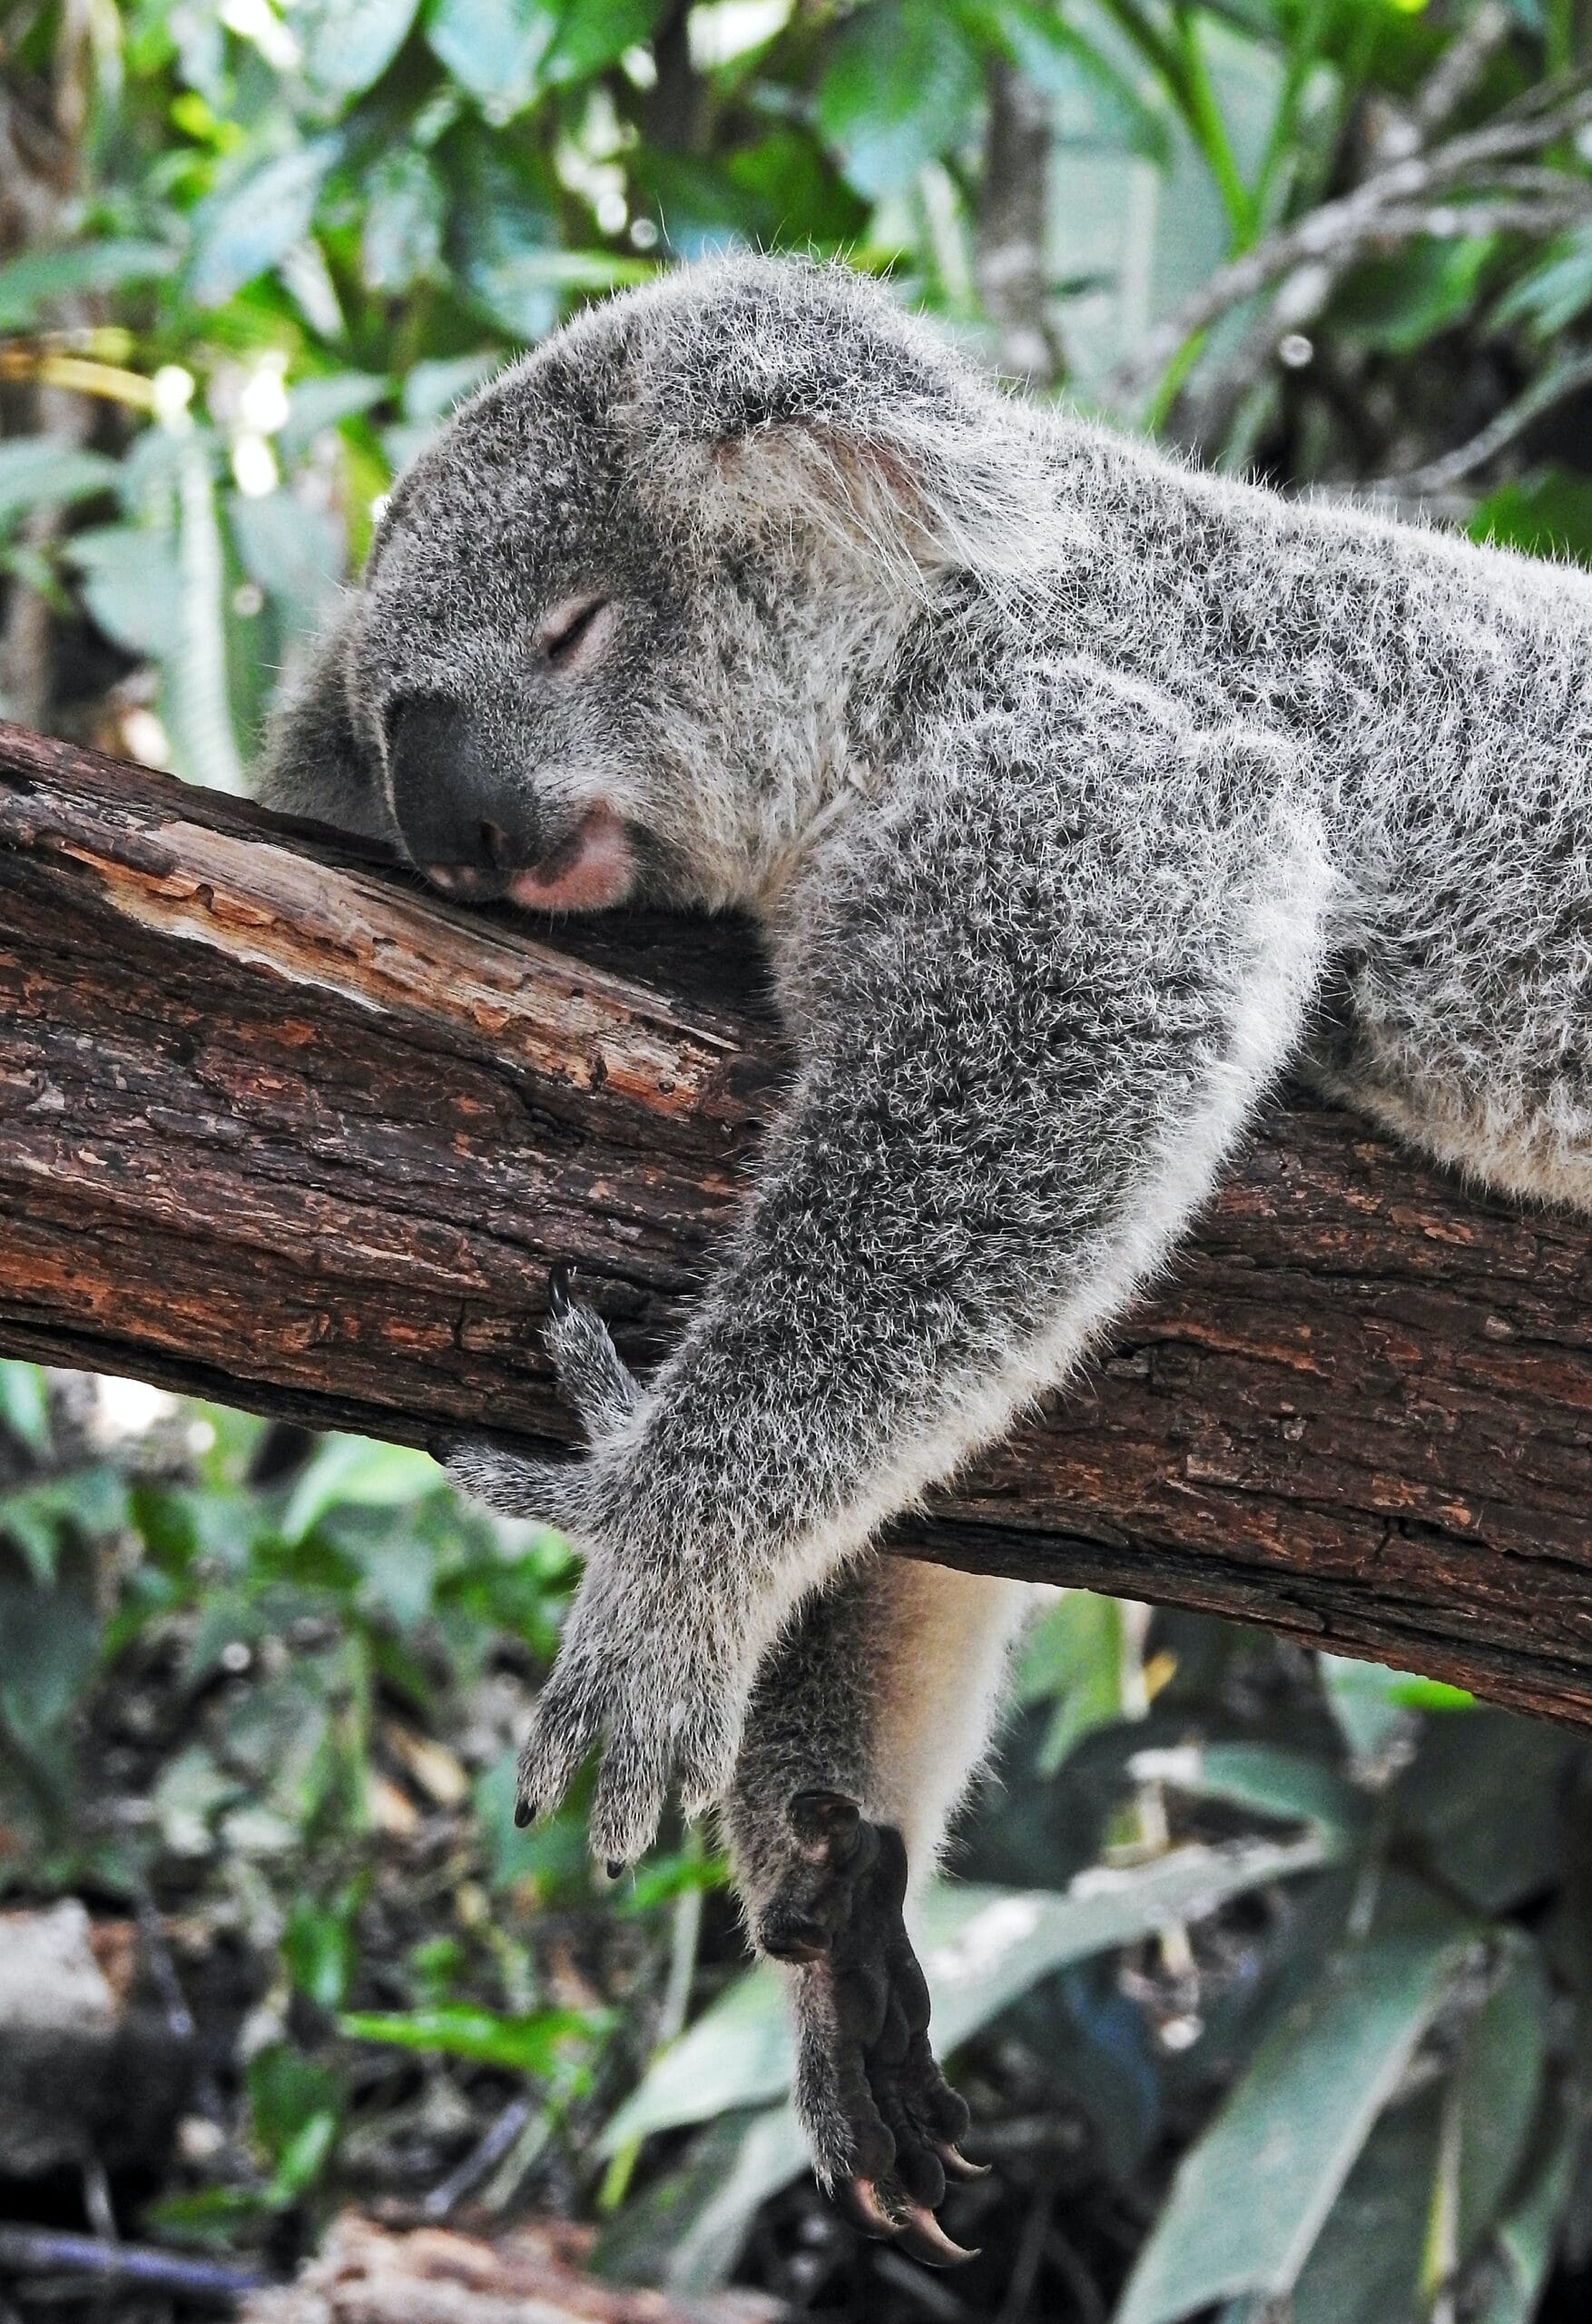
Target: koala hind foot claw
{"x": 884, "y": 2121}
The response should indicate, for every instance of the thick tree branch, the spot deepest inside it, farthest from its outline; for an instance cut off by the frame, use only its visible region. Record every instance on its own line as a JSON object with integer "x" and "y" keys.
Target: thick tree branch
{"x": 277, "y": 1126}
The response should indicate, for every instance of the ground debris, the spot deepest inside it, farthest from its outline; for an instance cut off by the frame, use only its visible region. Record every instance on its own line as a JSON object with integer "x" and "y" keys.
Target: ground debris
{"x": 363, "y": 2274}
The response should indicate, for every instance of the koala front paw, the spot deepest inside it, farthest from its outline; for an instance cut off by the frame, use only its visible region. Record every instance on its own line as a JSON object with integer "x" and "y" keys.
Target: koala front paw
{"x": 638, "y": 1667}
{"x": 882, "y": 2120}
{"x": 548, "y": 1492}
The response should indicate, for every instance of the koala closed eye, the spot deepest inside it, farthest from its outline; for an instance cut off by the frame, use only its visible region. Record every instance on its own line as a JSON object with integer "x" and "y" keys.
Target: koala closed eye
{"x": 571, "y": 632}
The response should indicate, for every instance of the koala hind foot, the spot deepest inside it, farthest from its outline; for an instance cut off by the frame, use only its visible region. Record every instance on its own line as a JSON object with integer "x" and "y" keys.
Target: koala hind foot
{"x": 883, "y": 2120}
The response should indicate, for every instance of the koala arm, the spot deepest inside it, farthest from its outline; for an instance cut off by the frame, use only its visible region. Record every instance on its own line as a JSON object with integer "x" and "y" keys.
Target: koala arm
{"x": 1036, "y": 1014}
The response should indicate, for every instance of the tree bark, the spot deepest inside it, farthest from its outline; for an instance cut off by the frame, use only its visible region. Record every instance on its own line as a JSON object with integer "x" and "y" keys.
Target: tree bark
{"x": 277, "y": 1127}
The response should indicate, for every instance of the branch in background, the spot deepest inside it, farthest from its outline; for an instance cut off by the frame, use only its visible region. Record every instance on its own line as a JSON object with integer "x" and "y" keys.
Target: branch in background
{"x": 1387, "y": 207}
{"x": 276, "y": 1128}
{"x": 52, "y": 2251}
{"x": 1009, "y": 262}
{"x": 1555, "y": 387}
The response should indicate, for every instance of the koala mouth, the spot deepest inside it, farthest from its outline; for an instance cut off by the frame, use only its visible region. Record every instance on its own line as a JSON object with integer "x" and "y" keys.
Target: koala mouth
{"x": 590, "y": 869}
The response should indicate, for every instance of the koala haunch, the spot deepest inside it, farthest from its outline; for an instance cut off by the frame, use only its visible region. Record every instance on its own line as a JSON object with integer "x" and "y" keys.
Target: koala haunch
{"x": 1077, "y": 794}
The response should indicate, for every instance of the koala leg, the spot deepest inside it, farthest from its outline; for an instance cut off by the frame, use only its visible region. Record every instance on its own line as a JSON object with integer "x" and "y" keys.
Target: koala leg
{"x": 867, "y": 1721}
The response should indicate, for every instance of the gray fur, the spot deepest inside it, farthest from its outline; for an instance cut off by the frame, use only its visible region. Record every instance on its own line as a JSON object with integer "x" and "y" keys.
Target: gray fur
{"x": 1077, "y": 794}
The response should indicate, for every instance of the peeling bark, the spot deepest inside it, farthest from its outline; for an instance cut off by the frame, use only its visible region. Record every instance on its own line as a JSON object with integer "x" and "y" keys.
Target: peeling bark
{"x": 277, "y": 1127}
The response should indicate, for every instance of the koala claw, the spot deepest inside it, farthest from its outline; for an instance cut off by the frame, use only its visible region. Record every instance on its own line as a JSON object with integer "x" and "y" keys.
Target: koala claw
{"x": 559, "y": 1298}
{"x": 668, "y": 1715}
{"x": 885, "y": 2123}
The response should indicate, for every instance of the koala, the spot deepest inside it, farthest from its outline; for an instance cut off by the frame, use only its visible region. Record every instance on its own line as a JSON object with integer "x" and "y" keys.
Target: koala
{"x": 1076, "y": 795}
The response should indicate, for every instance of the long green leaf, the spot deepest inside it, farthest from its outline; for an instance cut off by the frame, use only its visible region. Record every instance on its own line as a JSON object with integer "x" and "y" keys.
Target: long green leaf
{"x": 31, "y": 284}
{"x": 1251, "y": 2198}
{"x": 982, "y": 1949}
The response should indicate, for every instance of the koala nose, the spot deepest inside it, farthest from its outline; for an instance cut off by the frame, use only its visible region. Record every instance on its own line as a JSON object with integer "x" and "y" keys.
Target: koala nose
{"x": 459, "y": 816}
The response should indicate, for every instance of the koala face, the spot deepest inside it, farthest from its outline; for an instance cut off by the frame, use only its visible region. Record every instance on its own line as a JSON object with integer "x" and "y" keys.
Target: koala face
{"x": 616, "y": 618}
{"x": 511, "y": 650}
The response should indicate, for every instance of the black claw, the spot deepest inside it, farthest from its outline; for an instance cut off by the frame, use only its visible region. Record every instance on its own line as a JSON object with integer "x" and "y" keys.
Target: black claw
{"x": 559, "y": 1300}
{"x": 613, "y": 1869}
{"x": 524, "y": 1813}
{"x": 857, "y": 2200}
{"x": 443, "y": 1448}
{"x": 956, "y": 2165}
{"x": 921, "y": 2235}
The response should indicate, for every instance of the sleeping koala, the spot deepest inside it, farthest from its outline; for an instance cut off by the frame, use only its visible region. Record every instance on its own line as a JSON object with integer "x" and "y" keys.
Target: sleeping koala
{"x": 1076, "y": 794}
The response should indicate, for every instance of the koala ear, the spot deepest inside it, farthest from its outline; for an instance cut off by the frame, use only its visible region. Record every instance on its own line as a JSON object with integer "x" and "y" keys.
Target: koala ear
{"x": 314, "y": 762}
{"x": 772, "y": 392}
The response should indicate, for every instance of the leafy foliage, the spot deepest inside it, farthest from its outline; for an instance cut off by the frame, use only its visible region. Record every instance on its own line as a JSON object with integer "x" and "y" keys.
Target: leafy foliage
{"x": 1239, "y": 1920}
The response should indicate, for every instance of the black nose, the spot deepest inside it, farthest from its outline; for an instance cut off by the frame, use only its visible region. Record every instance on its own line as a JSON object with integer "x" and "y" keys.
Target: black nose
{"x": 461, "y": 819}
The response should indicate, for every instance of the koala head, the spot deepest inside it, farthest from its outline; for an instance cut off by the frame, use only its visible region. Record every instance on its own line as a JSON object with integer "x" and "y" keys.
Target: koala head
{"x": 614, "y": 623}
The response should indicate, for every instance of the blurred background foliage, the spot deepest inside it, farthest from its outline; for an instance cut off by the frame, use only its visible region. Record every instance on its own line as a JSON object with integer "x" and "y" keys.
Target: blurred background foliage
{"x": 1269, "y": 1976}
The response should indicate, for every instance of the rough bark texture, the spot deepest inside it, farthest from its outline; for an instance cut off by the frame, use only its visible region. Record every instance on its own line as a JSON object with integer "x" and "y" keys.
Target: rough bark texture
{"x": 278, "y": 1128}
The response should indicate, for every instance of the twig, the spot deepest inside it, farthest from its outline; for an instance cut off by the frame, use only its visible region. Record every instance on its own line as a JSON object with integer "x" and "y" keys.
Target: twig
{"x": 483, "y": 2156}
{"x": 1396, "y": 202}
{"x": 1555, "y": 387}
{"x": 33, "y": 2251}
{"x": 1458, "y": 69}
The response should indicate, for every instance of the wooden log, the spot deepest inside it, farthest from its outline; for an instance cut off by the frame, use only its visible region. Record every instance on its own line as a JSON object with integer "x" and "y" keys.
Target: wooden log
{"x": 277, "y": 1126}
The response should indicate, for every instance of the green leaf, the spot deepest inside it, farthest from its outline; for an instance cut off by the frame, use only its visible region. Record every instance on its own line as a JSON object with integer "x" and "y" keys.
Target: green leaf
{"x": 1095, "y": 99}
{"x": 1074, "y": 1653}
{"x": 316, "y": 405}
{"x": 1499, "y": 2082}
{"x": 35, "y": 1519}
{"x": 1290, "y": 1785}
{"x": 405, "y": 211}
{"x": 319, "y": 1948}
{"x": 1481, "y": 1801}
{"x": 255, "y": 220}
{"x": 1365, "y": 2266}
{"x": 554, "y": 1851}
{"x": 295, "y": 2104}
{"x": 24, "y": 1404}
{"x": 1554, "y": 294}
{"x": 357, "y": 1470}
{"x": 49, "y": 1652}
{"x": 36, "y": 472}
{"x": 687, "y": 2232}
{"x": 305, "y": 2156}
{"x": 295, "y": 553}
{"x": 1290, "y": 2132}
{"x": 900, "y": 91}
{"x": 1371, "y": 1704}
{"x": 348, "y": 45}
{"x": 38, "y": 278}
{"x": 1528, "y": 2235}
{"x": 493, "y": 48}
{"x": 1398, "y": 304}
{"x": 532, "y": 2044}
{"x": 982, "y": 1948}
{"x": 504, "y": 236}
{"x": 433, "y": 389}
{"x": 593, "y": 33}
{"x": 195, "y": 694}
{"x": 1547, "y": 515}
{"x": 132, "y": 587}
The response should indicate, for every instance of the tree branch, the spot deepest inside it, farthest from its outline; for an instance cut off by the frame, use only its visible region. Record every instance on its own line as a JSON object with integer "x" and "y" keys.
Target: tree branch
{"x": 277, "y": 1127}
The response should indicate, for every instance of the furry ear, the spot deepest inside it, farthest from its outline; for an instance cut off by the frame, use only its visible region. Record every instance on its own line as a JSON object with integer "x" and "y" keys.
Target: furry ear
{"x": 314, "y": 762}
{"x": 768, "y": 393}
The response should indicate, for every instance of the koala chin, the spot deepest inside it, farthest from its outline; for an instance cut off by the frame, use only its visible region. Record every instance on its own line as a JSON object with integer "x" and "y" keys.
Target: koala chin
{"x": 1076, "y": 794}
